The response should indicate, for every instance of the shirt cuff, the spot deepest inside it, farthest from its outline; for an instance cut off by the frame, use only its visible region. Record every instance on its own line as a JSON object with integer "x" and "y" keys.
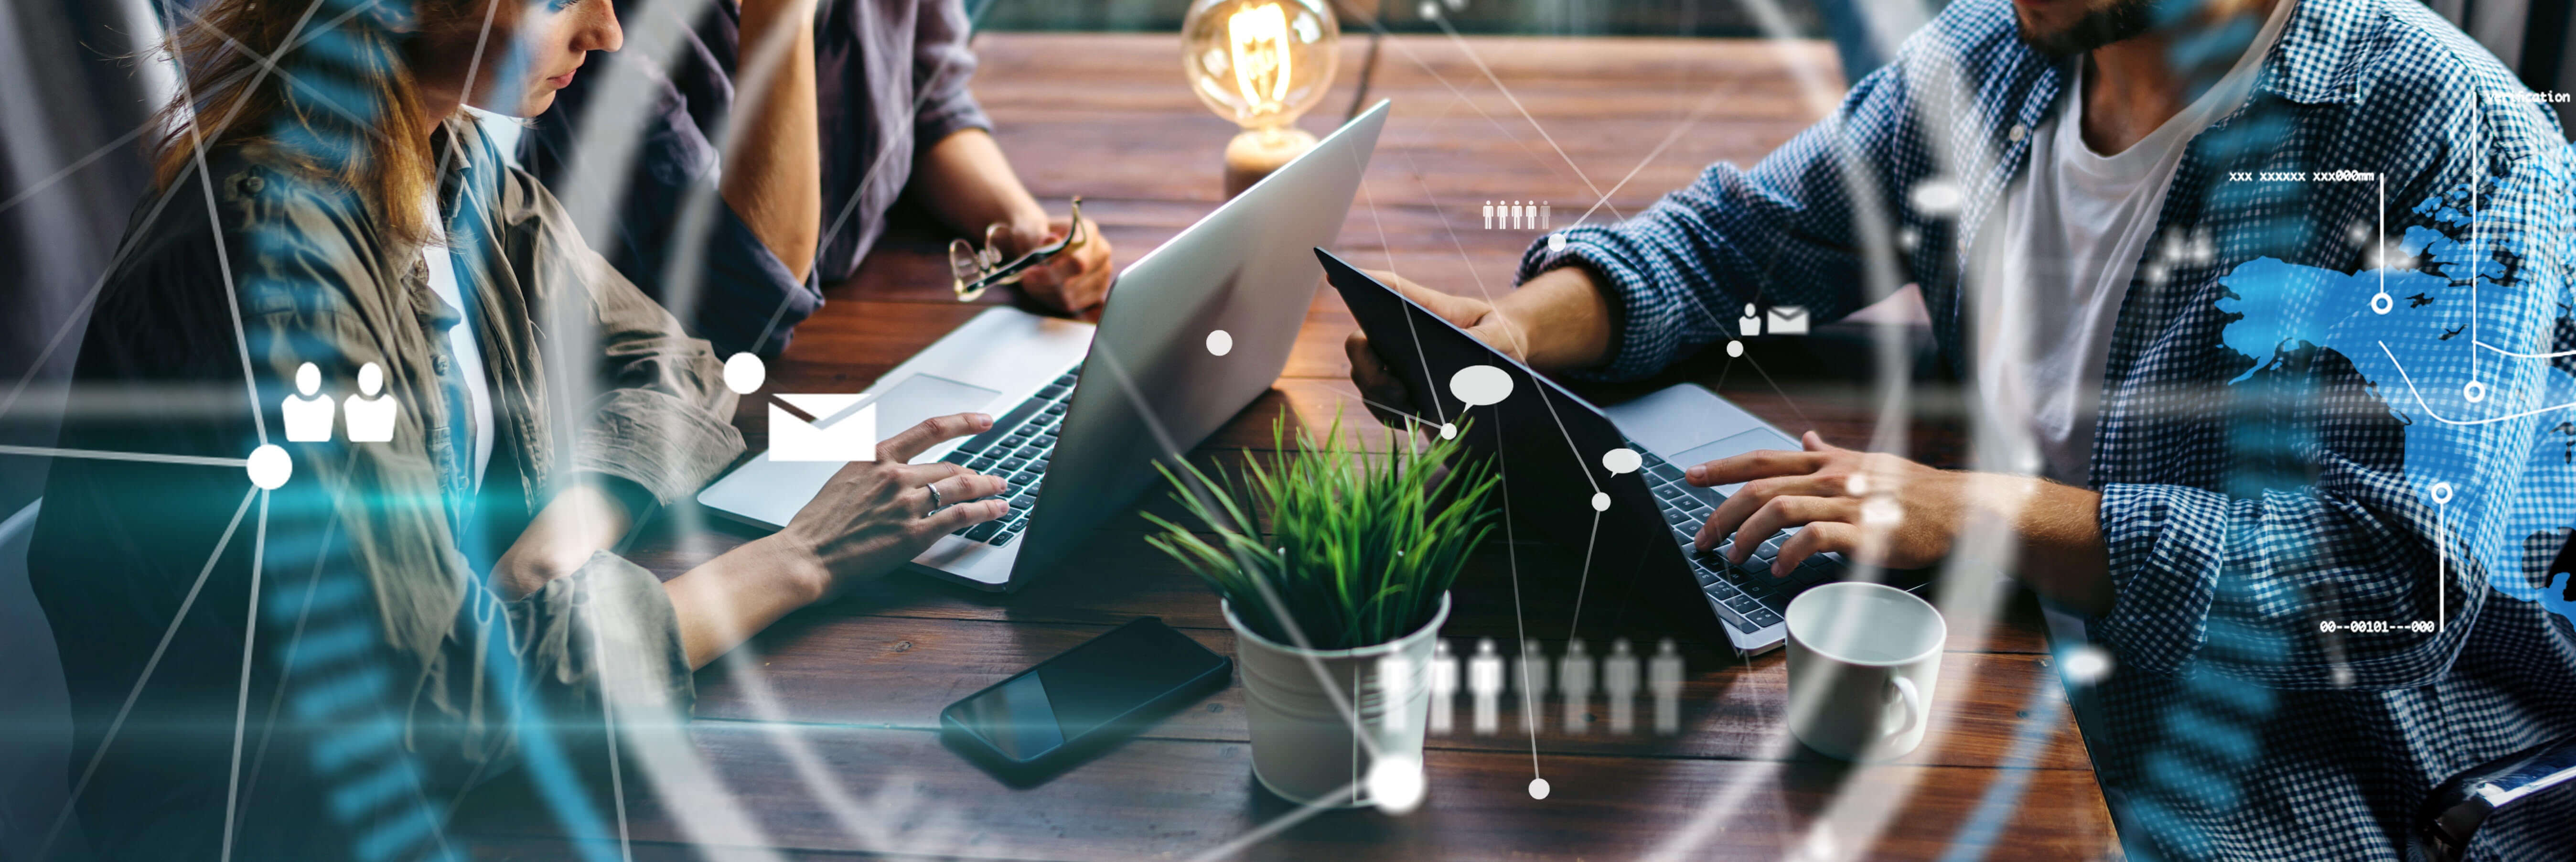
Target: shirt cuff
{"x": 2164, "y": 543}
{"x": 940, "y": 118}
{"x": 1642, "y": 335}
{"x": 656, "y": 440}
{"x": 607, "y": 629}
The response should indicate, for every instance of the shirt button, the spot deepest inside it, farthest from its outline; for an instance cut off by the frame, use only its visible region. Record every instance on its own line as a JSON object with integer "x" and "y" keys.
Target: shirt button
{"x": 439, "y": 363}
{"x": 2017, "y": 132}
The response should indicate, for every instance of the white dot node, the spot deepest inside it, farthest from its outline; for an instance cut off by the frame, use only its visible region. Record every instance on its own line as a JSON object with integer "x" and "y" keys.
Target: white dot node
{"x": 2475, "y": 392}
{"x": 1395, "y": 783}
{"x": 1622, "y": 460}
{"x": 1600, "y": 501}
{"x": 1220, "y": 342}
{"x": 744, "y": 372}
{"x": 1448, "y": 431}
{"x": 1538, "y": 788}
{"x": 1734, "y": 348}
{"x": 2441, "y": 492}
{"x": 269, "y": 467}
{"x": 1936, "y": 197}
{"x": 1856, "y": 484}
{"x": 2382, "y": 303}
{"x": 1430, "y": 10}
{"x": 1881, "y": 512}
{"x": 2085, "y": 665}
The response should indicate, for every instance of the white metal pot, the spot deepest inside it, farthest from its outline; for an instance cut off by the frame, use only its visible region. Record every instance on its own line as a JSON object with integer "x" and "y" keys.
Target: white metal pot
{"x": 1304, "y": 747}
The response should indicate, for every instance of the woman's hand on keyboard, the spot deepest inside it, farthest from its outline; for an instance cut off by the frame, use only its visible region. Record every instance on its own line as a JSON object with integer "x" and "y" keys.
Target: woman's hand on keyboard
{"x": 875, "y": 515}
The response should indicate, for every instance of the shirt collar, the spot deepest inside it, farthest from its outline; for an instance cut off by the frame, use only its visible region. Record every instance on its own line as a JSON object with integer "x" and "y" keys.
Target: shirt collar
{"x": 2320, "y": 53}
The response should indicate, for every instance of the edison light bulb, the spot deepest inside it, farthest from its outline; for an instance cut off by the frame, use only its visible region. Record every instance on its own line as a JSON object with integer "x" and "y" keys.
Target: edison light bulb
{"x": 1260, "y": 64}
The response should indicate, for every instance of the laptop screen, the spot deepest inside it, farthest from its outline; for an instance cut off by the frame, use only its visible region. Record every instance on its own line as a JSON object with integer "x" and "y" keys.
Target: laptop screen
{"x": 1548, "y": 441}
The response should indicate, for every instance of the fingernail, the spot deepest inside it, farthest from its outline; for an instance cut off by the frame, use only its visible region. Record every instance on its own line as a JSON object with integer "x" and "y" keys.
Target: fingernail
{"x": 983, "y": 420}
{"x": 1696, "y": 473}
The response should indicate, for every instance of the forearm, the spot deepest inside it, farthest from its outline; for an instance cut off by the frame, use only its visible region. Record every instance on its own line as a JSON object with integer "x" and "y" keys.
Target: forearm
{"x": 966, "y": 181}
{"x": 2062, "y": 553}
{"x": 579, "y": 521}
{"x": 1561, "y": 320}
{"x": 773, "y": 167}
{"x": 729, "y": 598}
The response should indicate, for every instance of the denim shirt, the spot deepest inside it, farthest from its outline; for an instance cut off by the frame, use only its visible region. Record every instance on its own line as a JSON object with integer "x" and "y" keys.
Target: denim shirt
{"x": 2251, "y": 490}
{"x": 890, "y": 80}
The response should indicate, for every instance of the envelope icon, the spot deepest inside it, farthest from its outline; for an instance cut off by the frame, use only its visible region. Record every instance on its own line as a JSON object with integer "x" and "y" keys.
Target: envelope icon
{"x": 1788, "y": 320}
{"x": 837, "y": 433}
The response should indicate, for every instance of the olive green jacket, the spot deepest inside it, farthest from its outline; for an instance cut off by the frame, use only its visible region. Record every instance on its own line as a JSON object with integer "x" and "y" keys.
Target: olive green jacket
{"x": 372, "y": 618}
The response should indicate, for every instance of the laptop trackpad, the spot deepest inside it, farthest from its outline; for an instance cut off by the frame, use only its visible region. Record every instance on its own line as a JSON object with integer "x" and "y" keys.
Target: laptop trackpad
{"x": 1759, "y": 438}
{"x": 922, "y": 396}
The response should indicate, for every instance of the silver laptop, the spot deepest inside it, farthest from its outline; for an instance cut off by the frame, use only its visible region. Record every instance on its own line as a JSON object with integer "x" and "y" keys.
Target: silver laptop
{"x": 1082, "y": 413}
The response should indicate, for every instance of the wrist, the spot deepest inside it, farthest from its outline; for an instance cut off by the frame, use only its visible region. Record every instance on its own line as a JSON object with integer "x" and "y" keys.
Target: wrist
{"x": 796, "y": 570}
{"x": 1563, "y": 317}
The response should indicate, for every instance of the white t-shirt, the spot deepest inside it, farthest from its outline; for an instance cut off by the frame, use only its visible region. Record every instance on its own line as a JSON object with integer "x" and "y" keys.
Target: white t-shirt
{"x": 460, "y": 339}
{"x": 2071, "y": 230}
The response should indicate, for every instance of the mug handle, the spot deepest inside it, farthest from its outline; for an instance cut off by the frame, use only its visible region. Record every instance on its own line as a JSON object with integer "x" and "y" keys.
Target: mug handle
{"x": 1913, "y": 704}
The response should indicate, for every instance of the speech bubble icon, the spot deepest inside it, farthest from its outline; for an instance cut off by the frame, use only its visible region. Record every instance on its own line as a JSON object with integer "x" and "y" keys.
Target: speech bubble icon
{"x": 1622, "y": 460}
{"x": 1480, "y": 385}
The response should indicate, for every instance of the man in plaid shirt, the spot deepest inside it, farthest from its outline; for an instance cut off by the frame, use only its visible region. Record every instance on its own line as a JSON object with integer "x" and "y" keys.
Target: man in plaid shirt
{"x": 2260, "y": 299}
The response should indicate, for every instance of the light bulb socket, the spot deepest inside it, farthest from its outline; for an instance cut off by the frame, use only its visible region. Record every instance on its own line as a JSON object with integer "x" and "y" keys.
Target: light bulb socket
{"x": 1258, "y": 152}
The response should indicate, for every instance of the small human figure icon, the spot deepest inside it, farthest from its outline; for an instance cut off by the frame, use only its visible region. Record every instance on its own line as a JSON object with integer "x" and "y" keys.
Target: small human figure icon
{"x": 1619, "y": 681}
{"x": 308, "y": 415}
{"x": 1485, "y": 681}
{"x": 1751, "y": 323}
{"x": 1532, "y": 683}
{"x": 1543, "y": 215}
{"x": 371, "y": 412}
{"x": 1489, "y": 215}
{"x": 1574, "y": 678}
{"x": 1664, "y": 676}
{"x": 1444, "y": 687}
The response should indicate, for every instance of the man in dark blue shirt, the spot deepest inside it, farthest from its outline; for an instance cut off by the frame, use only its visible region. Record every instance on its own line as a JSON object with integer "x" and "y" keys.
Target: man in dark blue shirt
{"x": 2307, "y": 523}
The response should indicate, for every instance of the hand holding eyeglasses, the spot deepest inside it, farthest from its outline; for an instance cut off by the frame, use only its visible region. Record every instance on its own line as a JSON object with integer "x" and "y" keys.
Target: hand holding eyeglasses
{"x": 1066, "y": 266}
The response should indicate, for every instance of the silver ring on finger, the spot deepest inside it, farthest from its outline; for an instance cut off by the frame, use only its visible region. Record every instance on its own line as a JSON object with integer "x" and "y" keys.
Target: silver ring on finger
{"x": 935, "y": 504}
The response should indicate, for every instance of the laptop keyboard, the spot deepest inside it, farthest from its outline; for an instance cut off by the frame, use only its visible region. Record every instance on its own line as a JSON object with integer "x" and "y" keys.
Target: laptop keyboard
{"x": 1753, "y": 595}
{"x": 1017, "y": 449}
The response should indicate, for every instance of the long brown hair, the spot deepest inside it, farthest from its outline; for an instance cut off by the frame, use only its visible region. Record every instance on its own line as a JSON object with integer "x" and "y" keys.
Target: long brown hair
{"x": 341, "y": 103}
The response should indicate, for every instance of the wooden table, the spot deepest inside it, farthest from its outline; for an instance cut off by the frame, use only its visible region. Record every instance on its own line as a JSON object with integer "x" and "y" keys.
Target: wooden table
{"x": 819, "y": 738}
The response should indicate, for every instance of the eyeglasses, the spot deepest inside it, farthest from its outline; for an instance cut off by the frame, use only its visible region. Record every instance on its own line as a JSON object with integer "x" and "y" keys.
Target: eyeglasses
{"x": 978, "y": 270}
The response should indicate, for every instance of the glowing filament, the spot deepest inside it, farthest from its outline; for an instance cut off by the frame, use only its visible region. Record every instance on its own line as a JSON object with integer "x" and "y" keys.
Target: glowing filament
{"x": 1260, "y": 38}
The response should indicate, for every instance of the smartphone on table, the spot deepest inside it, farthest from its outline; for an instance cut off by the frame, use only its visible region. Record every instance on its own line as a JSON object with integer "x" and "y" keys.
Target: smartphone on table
{"x": 1051, "y": 715}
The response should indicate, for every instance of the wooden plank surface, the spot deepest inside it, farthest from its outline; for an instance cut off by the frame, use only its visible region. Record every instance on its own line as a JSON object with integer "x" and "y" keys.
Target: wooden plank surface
{"x": 818, "y": 738}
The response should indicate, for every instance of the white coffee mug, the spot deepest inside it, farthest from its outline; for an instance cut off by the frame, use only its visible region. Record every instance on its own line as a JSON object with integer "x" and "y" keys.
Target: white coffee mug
{"x": 1862, "y": 660}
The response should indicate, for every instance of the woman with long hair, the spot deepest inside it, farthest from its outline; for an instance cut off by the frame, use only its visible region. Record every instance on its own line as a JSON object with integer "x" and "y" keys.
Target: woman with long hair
{"x": 381, "y": 418}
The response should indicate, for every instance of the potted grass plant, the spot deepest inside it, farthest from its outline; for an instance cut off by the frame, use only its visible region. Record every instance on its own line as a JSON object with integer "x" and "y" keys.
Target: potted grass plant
{"x": 1333, "y": 564}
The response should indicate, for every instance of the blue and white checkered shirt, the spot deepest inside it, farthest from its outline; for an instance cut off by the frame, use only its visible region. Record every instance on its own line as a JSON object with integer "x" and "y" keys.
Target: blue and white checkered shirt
{"x": 2247, "y": 500}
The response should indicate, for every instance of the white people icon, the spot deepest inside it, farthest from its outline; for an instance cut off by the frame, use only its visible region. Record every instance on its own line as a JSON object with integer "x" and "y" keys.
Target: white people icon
{"x": 371, "y": 417}
{"x": 309, "y": 414}
{"x": 1485, "y": 684}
